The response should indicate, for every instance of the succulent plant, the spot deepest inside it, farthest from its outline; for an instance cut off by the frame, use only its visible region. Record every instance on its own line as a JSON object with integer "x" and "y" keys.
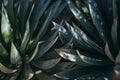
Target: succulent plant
{"x": 27, "y": 38}
{"x": 92, "y": 39}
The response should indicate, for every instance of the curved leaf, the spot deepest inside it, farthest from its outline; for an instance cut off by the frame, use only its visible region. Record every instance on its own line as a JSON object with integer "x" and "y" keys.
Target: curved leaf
{"x": 107, "y": 50}
{"x": 83, "y": 39}
{"x": 93, "y": 60}
{"x": 70, "y": 55}
{"x": 46, "y": 64}
{"x": 5, "y": 69}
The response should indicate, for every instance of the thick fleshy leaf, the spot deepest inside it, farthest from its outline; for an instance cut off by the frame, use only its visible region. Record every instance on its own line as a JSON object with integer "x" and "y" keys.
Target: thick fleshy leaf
{"x": 26, "y": 37}
{"x": 98, "y": 20}
{"x": 47, "y": 45}
{"x": 46, "y": 64}
{"x": 5, "y": 26}
{"x": 39, "y": 8}
{"x": 95, "y": 74}
{"x": 63, "y": 32}
{"x": 114, "y": 27}
{"x": 108, "y": 53}
{"x": 9, "y": 9}
{"x": 50, "y": 55}
{"x": 71, "y": 56}
{"x": 74, "y": 73}
{"x": 24, "y": 10}
{"x": 83, "y": 39}
{"x": 3, "y": 51}
{"x": 118, "y": 58}
{"x": 15, "y": 57}
{"x": 5, "y": 69}
{"x": 93, "y": 60}
{"x": 35, "y": 52}
{"x": 42, "y": 76}
{"x": 83, "y": 21}
{"x": 50, "y": 16}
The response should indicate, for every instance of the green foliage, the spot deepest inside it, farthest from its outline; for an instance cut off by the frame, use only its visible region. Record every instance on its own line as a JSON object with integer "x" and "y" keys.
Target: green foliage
{"x": 27, "y": 38}
{"x": 95, "y": 46}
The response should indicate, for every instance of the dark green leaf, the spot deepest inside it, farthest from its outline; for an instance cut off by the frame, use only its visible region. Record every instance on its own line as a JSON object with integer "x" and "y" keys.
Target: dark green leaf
{"x": 70, "y": 55}
{"x": 108, "y": 53}
{"x": 74, "y": 73}
{"x": 5, "y": 69}
{"x": 42, "y": 76}
{"x": 47, "y": 45}
{"x": 35, "y": 52}
{"x": 39, "y": 9}
{"x": 50, "y": 16}
{"x": 83, "y": 21}
{"x": 93, "y": 60}
{"x": 46, "y": 64}
{"x": 3, "y": 51}
{"x": 83, "y": 39}
{"x": 114, "y": 26}
{"x": 14, "y": 55}
{"x": 24, "y": 12}
{"x": 98, "y": 20}
{"x": 26, "y": 37}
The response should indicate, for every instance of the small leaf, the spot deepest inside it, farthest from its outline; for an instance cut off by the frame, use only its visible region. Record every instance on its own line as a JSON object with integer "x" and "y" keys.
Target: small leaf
{"x": 5, "y": 69}
{"x": 46, "y": 64}
{"x": 14, "y": 55}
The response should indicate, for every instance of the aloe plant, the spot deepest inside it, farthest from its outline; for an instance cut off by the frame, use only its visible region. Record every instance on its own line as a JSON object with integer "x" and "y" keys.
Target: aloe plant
{"x": 92, "y": 38}
{"x": 27, "y": 39}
